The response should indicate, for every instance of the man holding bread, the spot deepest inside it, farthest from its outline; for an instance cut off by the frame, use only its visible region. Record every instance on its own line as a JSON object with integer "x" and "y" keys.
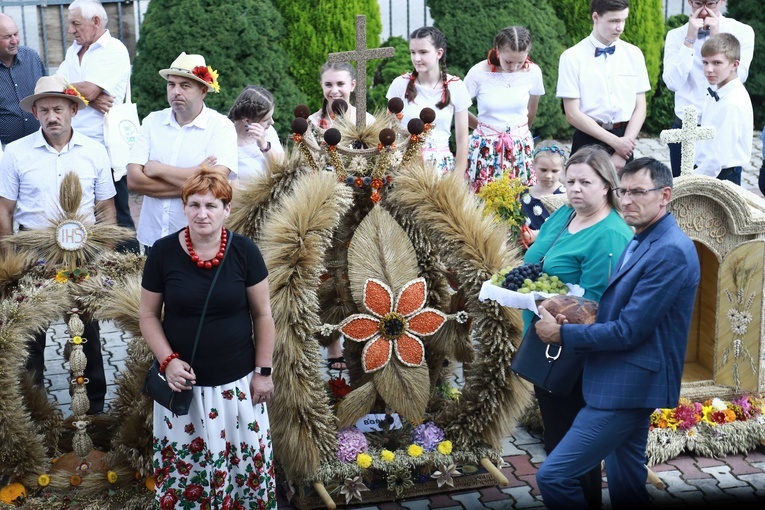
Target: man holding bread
{"x": 633, "y": 358}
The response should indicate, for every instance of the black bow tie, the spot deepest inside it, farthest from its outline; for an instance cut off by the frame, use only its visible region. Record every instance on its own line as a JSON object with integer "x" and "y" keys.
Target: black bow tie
{"x": 703, "y": 33}
{"x": 713, "y": 93}
{"x": 609, "y": 50}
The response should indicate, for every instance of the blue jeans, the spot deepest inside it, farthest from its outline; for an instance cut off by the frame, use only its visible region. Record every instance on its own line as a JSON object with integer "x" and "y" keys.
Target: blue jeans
{"x": 617, "y": 435}
{"x": 732, "y": 174}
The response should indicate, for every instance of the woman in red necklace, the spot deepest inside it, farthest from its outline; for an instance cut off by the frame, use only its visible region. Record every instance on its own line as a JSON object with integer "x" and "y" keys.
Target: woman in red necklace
{"x": 229, "y": 374}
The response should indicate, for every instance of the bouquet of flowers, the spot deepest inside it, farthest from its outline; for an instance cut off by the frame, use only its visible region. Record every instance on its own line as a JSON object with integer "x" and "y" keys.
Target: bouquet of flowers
{"x": 501, "y": 197}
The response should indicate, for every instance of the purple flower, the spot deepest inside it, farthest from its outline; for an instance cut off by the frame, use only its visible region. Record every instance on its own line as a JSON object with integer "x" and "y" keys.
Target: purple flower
{"x": 350, "y": 442}
{"x": 427, "y": 435}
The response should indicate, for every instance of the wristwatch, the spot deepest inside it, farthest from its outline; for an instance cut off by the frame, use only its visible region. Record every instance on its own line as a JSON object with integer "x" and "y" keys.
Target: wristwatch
{"x": 268, "y": 148}
{"x": 264, "y": 371}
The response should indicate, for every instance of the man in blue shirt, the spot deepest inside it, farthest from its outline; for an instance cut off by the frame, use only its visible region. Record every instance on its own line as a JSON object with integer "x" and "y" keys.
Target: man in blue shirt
{"x": 20, "y": 68}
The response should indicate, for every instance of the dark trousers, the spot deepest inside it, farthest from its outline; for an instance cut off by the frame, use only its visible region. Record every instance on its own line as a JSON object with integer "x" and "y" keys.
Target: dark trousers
{"x": 674, "y": 150}
{"x": 124, "y": 218}
{"x": 732, "y": 174}
{"x": 558, "y": 414}
{"x": 94, "y": 370}
{"x": 582, "y": 139}
{"x": 761, "y": 179}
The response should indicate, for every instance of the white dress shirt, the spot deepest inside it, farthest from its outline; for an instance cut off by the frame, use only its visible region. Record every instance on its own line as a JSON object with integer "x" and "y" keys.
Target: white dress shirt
{"x": 252, "y": 161}
{"x": 606, "y": 86}
{"x": 31, "y": 172}
{"x": 162, "y": 139}
{"x": 733, "y": 118}
{"x": 683, "y": 72}
{"x": 106, "y": 63}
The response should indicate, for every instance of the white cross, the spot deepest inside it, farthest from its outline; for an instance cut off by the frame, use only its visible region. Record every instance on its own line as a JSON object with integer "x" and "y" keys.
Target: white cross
{"x": 687, "y": 136}
{"x": 361, "y": 55}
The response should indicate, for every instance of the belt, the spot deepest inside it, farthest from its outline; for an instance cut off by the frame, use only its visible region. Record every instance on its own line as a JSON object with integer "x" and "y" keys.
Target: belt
{"x": 610, "y": 126}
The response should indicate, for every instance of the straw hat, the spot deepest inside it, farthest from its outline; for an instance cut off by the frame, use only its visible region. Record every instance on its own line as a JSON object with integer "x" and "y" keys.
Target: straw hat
{"x": 53, "y": 86}
{"x": 194, "y": 67}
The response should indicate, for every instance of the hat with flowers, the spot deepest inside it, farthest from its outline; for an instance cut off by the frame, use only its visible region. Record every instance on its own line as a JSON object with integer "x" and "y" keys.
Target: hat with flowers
{"x": 194, "y": 67}
{"x": 53, "y": 86}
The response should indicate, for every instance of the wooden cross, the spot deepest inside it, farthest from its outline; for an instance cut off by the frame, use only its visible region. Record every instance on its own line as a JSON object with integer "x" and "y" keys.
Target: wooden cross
{"x": 687, "y": 136}
{"x": 361, "y": 55}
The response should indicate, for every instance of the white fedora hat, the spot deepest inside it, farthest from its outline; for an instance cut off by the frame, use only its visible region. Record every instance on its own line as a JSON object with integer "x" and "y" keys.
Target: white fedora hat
{"x": 53, "y": 86}
{"x": 194, "y": 67}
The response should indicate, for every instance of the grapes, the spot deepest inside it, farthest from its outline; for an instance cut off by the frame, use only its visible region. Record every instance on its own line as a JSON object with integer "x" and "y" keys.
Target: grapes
{"x": 528, "y": 278}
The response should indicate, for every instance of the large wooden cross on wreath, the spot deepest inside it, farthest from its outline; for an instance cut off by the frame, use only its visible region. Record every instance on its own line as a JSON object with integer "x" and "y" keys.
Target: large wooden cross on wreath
{"x": 361, "y": 55}
{"x": 687, "y": 137}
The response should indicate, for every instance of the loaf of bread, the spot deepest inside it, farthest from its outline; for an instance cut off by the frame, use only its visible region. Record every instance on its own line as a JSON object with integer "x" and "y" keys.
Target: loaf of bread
{"x": 576, "y": 309}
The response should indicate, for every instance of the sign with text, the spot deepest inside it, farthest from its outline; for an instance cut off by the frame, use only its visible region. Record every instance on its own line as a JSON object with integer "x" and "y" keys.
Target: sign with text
{"x": 71, "y": 235}
{"x": 374, "y": 422}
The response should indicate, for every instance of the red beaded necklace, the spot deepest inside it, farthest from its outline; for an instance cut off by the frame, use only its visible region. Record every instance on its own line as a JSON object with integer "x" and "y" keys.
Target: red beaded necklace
{"x": 215, "y": 261}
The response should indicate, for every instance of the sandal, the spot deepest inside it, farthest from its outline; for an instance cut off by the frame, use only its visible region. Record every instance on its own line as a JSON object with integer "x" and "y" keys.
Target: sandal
{"x": 331, "y": 362}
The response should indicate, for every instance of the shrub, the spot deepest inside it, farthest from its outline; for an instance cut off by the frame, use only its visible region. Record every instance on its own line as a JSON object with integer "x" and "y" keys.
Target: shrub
{"x": 470, "y": 27}
{"x": 238, "y": 38}
{"x": 320, "y": 28}
{"x": 386, "y": 71}
{"x": 753, "y": 15}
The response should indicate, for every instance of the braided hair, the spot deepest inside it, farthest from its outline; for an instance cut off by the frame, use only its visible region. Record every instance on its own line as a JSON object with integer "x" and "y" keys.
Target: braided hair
{"x": 514, "y": 38}
{"x": 334, "y": 66}
{"x": 254, "y": 103}
{"x": 439, "y": 42}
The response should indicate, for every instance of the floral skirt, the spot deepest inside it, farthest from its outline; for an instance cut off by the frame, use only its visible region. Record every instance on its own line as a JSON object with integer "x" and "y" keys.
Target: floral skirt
{"x": 490, "y": 156}
{"x": 440, "y": 157}
{"x": 218, "y": 456}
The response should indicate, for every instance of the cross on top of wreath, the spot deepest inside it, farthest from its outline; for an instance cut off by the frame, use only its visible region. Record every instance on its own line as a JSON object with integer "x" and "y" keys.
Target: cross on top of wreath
{"x": 687, "y": 137}
{"x": 361, "y": 54}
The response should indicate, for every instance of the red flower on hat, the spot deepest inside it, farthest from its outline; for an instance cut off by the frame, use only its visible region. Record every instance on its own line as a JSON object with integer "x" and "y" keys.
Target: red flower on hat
{"x": 394, "y": 326}
{"x": 202, "y": 73}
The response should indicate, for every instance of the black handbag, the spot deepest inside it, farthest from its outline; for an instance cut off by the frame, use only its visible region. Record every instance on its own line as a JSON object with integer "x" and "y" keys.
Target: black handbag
{"x": 178, "y": 402}
{"x": 548, "y": 366}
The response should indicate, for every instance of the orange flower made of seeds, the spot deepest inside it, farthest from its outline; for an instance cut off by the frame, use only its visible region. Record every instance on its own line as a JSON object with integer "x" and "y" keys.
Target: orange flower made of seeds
{"x": 297, "y": 138}
{"x": 394, "y": 326}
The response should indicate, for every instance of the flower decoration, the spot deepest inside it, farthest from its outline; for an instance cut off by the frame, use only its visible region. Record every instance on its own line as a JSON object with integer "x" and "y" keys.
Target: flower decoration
{"x": 76, "y": 275}
{"x": 501, "y": 198}
{"x": 339, "y": 387}
{"x": 387, "y": 456}
{"x": 350, "y": 443}
{"x": 400, "y": 481}
{"x": 43, "y": 480}
{"x": 427, "y": 435}
{"x": 207, "y": 75}
{"x": 414, "y": 450}
{"x": 12, "y": 492}
{"x": 445, "y": 447}
{"x": 150, "y": 484}
{"x": 393, "y": 325}
{"x": 713, "y": 412}
{"x": 75, "y": 480}
{"x": 352, "y": 489}
{"x": 71, "y": 90}
{"x": 364, "y": 460}
{"x": 111, "y": 477}
{"x": 445, "y": 475}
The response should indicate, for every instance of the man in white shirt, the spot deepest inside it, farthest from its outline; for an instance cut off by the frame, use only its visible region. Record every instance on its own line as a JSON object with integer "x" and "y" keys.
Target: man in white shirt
{"x": 602, "y": 81}
{"x": 683, "y": 71}
{"x": 173, "y": 143}
{"x": 31, "y": 172}
{"x": 99, "y": 66}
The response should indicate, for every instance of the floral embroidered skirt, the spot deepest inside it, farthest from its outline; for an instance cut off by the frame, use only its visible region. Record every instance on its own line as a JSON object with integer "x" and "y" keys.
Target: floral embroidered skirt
{"x": 490, "y": 156}
{"x": 216, "y": 457}
{"x": 440, "y": 157}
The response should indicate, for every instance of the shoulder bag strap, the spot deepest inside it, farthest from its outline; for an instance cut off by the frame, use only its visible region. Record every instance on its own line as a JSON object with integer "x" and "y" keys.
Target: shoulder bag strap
{"x": 207, "y": 301}
{"x": 568, "y": 222}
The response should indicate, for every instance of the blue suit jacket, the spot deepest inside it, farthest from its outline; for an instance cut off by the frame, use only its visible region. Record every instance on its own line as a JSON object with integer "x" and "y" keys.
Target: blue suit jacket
{"x": 636, "y": 350}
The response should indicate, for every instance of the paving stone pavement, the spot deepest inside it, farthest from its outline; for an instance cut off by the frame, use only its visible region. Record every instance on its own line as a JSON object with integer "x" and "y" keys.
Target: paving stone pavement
{"x": 691, "y": 481}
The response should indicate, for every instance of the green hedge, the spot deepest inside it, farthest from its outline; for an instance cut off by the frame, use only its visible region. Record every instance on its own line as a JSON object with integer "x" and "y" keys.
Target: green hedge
{"x": 753, "y": 14}
{"x": 470, "y": 27}
{"x": 238, "y": 38}
{"x": 386, "y": 71}
{"x": 322, "y": 27}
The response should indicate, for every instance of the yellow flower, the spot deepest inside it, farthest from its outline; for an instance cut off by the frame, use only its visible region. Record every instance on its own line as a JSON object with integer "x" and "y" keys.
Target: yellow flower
{"x": 455, "y": 393}
{"x": 387, "y": 455}
{"x": 414, "y": 450}
{"x": 445, "y": 447}
{"x": 501, "y": 197}
{"x": 12, "y": 492}
{"x": 363, "y": 460}
{"x": 43, "y": 480}
{"x": 62, "y": 276}
{"x": 77, "y": 340}
{"x": 111, "y": 477}
{"x": 215, "y": 85}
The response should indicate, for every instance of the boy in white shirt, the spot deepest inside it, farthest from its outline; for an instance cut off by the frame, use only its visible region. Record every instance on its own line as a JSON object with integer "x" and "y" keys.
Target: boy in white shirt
{"x": 728, "y": 108}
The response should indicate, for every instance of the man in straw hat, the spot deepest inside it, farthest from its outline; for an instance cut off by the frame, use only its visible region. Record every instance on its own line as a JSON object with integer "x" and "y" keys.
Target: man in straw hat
{"x": 173, "y": 143}
{"x": 31, "y": 172}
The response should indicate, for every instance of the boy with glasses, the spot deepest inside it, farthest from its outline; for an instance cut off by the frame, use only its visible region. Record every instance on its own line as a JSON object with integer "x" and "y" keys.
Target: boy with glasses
{"x": 683, "y": 72}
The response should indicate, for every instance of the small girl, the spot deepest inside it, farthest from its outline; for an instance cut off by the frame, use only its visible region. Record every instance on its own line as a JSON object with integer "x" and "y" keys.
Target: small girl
{"x": 253, "y": 116}
{"x": 429, "y": 85}
{"x": 548, "y": 160}
{"x": 507, "y": 87}
{"x": 338, "y": 80}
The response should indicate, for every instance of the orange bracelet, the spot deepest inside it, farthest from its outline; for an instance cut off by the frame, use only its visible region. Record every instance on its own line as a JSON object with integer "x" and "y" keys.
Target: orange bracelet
{"x": 167, "y": 361}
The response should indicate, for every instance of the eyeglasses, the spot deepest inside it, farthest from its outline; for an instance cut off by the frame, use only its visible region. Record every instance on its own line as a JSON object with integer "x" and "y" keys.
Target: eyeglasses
{"x": 710, "y": 5}
{"x": 621, "y": 192}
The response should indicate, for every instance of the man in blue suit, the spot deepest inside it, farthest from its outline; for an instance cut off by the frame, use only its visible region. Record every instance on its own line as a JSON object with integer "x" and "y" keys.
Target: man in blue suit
{"x": 634, "y": 352}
